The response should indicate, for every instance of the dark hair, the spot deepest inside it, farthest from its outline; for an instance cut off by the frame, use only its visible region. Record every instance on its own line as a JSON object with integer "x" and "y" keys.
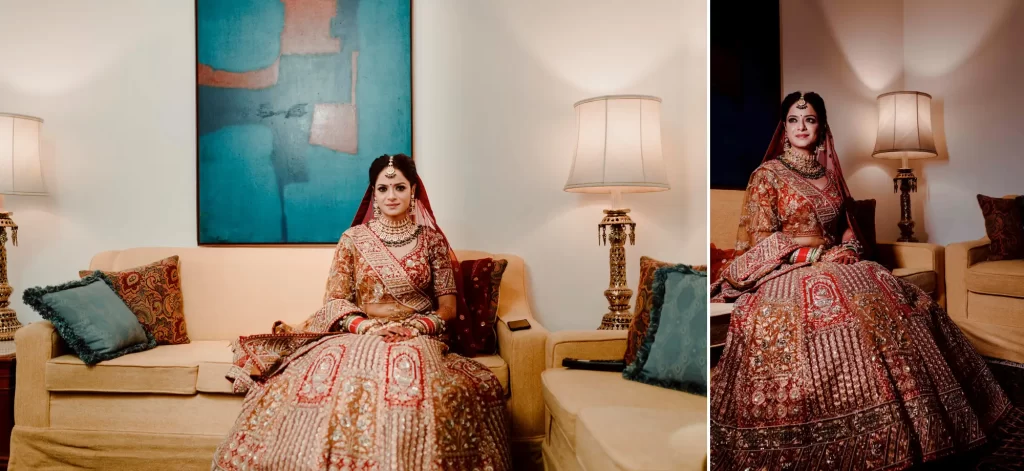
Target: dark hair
{"x": 403, "y": 163}
{"x": 814, "y": 100}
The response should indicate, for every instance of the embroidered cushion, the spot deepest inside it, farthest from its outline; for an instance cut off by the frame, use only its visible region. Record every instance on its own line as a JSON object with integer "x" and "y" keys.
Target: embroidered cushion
{"x": 1004, "y": 225}
{"x": 675, "y": 351}
{"x": 642, "y": 311}
{"x": 91, "y": 318}
{"x": 475, "y": 334}
{"x": 153, "y": 293}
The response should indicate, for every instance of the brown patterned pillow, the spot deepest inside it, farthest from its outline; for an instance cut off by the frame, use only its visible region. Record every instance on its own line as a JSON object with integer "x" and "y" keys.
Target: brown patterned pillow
{"x": 481, "y": 281}
{"x": 1004, "y": 225}
{"x": 644, "y": 304}
{"x": 153, "y": 293}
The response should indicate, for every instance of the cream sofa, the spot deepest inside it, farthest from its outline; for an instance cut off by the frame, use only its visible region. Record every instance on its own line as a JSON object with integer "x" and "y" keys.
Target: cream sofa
{"x": 986, "y": 299}
{"x": 920, "y": 263}
{"x": 598, "y": 421}
{"x": 169, "y": 407}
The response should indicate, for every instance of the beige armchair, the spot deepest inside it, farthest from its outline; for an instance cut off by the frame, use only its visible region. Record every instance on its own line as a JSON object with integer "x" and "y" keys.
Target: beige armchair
{"x": 986, "y": 299}
{"x": 598, "y": 420}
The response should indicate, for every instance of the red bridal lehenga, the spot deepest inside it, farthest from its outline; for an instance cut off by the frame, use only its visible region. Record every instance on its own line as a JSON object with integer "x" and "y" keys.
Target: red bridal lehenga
{"x": 835, "y": 364}
{"x": 321, "y": 397}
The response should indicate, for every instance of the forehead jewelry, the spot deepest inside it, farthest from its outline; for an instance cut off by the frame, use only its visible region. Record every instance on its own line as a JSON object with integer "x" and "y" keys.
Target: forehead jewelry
{"x": 801, "y": 103}
{"x": 390, "y": 172}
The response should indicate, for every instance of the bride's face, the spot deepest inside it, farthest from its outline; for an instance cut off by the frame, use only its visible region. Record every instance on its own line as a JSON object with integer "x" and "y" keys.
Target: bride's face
{"x": 802, "y": 127}
{"x": 393, "y": 194}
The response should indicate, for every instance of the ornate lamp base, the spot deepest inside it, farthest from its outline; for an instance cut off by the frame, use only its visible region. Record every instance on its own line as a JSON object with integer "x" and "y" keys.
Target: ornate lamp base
{"x": 8, "y": 318}
{"x": 617, "y": 226}
{"x": 906, "y": 183}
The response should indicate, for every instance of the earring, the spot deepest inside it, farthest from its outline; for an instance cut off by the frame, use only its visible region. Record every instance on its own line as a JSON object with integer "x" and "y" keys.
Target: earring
{"x": 376, "y": 211}
{"x": 785, "y": 144}
{"x": 412, "y": 204}
{"x": 820, "y": 149}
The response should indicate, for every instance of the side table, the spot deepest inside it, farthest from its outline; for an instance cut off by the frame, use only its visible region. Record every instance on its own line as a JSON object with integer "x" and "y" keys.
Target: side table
{"x": 719, "y": 329}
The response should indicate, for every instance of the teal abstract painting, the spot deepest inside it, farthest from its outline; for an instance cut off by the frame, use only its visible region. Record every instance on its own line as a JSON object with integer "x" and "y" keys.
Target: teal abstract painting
{"x": 295, "y": 98}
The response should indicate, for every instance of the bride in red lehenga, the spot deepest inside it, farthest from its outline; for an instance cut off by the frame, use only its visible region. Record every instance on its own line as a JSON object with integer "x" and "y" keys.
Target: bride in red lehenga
{"x": 831, "y": 362}
{"x": 367, "y": 381}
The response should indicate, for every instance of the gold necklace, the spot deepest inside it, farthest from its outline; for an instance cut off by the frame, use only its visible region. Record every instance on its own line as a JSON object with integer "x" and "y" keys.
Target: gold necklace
{"x": 395, "y": 234}
{"x": 805, "y": 165}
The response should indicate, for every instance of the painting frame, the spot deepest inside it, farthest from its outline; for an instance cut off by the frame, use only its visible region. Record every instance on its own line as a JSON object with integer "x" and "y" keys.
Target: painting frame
{"x": 326, "y": 242}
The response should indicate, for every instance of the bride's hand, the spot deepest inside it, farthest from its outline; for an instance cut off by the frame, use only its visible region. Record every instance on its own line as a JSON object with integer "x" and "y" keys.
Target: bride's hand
{"x": 396, "y": 334}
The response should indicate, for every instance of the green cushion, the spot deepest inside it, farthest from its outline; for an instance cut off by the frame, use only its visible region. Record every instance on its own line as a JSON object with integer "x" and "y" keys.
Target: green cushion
{"x": 91, "y": 318}
{"x": 675, "y": 351}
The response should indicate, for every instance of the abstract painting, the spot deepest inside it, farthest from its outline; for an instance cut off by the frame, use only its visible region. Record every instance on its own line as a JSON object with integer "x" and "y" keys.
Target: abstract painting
{"x": 294, "y": 99}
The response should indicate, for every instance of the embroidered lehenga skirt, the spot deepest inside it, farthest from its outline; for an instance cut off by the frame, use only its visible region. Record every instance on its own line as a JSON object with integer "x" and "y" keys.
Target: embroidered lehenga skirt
{"x": 355, "y": 402}
{"x": 846, "y": 367}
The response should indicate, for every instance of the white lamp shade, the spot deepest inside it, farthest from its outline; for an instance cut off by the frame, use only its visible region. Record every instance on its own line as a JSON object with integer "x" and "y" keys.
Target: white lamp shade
{"x": 904, "y": 126}
{"x": 618, "y": 146}
{"x": 20, "y": 171}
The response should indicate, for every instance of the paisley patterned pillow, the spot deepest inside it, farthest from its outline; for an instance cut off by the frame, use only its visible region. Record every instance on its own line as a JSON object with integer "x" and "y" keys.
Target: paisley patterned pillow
{"x": 1004, "y": 225}
{"x": 153, "y": 293}
{"x": 642, "y": 311}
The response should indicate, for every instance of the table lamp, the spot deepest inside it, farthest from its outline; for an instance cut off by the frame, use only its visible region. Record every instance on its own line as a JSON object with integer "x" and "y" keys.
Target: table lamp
{"x": 20, "y": 174}
{"x": 618, "y": 150}
{"x": 904, "y": 133}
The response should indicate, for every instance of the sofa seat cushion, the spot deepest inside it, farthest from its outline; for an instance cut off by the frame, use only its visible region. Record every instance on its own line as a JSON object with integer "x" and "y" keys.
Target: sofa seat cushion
{"x": 166, "y": 369}
{"x": 633, "y": 438}
{"x": 1003, "y": 278}
{"x": 567, "y": 392}
{"x": 923, "y": 278}
{"x": 189, "y": 368}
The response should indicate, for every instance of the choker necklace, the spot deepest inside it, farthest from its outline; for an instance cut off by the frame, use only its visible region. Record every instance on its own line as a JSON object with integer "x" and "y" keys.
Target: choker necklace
{"x": 805, "y": 165}
{"x": 395, "y": 234}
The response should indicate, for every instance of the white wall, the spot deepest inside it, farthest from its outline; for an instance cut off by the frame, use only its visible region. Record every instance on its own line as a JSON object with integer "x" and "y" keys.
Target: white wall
{"x": 965, "y": 54}
{"x": 494, "y": 88}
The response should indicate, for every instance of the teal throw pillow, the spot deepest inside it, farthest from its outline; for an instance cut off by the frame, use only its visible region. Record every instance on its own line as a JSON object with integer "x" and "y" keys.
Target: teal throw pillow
{"x": 93, "y": 320}
{"x": 675, "y": 351}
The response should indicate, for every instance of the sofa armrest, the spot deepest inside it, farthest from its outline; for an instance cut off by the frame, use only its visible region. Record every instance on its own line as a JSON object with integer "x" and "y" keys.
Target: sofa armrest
{"x": 523, "y": 351}
{"x": 961, "y": 256}
{"x": 917, "y": 255}
{"x": 36, "y": 343}
{"x": 584, "y": 345}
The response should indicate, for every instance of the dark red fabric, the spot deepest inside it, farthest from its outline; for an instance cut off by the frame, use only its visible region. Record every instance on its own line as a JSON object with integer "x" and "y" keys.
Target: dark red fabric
{"x": 473, "y": 333}
{"x": 864, "y": 214}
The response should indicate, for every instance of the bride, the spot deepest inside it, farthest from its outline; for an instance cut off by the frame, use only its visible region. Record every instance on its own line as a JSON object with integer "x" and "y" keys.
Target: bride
{"x": 831, "y": 362}
{"x": 366, "y": 382}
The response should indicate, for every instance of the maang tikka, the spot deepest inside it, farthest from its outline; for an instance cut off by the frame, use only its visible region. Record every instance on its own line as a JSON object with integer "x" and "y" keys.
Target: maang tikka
{"x": 801, "y": 103}
{"x": 391, "y": 172}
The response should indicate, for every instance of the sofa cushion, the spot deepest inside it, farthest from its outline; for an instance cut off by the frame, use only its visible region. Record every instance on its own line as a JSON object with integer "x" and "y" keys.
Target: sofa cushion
{"x": 199, "y": 366}
{"x": 632, "y": 438}
{"x": 923, "y": 278}
{"x": 566, "y": 392}
{"x": 153, "y": 293}
{"x": 1003, "y": 278}
{"x": 166, "y": 369}
{"x": 91, "y": 318}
